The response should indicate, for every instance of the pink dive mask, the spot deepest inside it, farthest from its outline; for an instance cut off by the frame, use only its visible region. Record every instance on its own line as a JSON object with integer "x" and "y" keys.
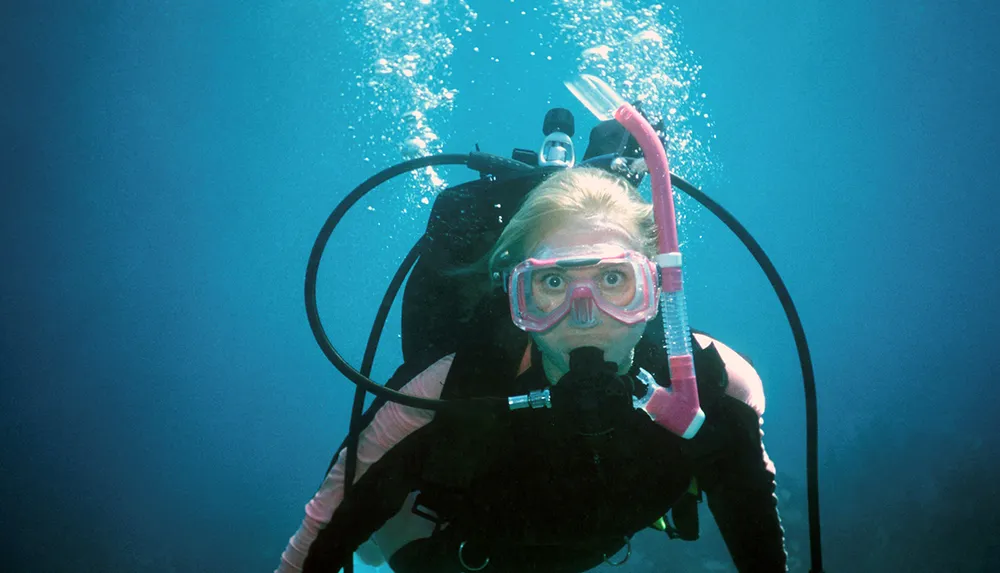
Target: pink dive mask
{"x": 579, "y": 281}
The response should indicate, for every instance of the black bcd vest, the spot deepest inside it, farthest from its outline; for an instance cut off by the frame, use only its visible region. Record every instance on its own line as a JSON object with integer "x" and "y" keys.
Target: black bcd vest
{"x": 521, "y": 492}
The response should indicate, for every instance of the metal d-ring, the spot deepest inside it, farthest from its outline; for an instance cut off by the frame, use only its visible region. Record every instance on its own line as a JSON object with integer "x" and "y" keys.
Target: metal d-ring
{"x": 461, "y": 548}
{"x": 628, "y": 553}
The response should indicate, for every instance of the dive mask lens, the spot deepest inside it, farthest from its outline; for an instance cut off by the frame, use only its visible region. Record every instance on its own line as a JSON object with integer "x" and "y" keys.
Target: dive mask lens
{"x": 622, "y": 283}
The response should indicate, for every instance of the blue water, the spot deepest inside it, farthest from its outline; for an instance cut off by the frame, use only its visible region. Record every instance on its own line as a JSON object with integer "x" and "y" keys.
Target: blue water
{"x": 166, "y": 168}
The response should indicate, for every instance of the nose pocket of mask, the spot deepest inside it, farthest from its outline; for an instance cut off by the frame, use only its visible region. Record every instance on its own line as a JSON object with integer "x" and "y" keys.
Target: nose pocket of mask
{"x": 583, "y": 311}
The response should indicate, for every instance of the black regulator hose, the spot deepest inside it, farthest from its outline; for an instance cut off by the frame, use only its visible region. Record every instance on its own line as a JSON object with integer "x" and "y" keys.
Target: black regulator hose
{"x": 477, "y": 161}
{"x": 805, "y": 360}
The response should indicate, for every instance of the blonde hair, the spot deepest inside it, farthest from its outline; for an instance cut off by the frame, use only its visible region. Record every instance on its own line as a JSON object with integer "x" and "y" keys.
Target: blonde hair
{"x": 577, "y": 195}
{"x": 580, "y": 195}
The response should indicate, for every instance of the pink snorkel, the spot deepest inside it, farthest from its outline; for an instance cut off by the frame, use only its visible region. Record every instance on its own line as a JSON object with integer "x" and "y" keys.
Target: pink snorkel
{"x": 677, "y": 408}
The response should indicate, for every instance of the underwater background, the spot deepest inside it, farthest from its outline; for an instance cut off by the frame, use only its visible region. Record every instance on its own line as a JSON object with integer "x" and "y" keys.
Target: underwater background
{"x": 166, "y": 167}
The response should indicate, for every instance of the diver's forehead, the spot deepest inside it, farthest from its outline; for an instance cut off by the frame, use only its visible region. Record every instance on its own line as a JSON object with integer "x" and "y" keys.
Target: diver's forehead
{"x": 581, "y": 236}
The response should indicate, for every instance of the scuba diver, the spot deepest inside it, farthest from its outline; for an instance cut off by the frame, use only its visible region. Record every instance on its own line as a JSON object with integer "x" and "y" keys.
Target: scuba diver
{"x": 540, "y": 294}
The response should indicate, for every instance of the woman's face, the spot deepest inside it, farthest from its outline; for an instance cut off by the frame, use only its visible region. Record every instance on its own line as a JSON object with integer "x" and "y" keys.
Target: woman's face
{"x": 617, "y": 339}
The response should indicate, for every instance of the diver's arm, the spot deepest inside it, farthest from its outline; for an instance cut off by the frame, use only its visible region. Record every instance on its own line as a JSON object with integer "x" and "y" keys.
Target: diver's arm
{"x": 385, "y": 451}
{"x": 740, "y": 483}
{"x": 373, "y": 500}
{"x": 740, "y": 488}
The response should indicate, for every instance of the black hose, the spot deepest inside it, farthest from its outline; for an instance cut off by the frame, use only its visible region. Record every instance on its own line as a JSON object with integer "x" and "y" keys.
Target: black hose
{"x": 357, "y": 410}
{"x": 369, "y": 359}
{"x": 312, "y": 270}
{"x": 805, "y": 359}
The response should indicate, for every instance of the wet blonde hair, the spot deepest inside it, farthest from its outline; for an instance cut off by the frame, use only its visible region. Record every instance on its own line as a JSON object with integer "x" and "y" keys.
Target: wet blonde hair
{"x": 580, "y": 195}
{"x": 572, "y": 196}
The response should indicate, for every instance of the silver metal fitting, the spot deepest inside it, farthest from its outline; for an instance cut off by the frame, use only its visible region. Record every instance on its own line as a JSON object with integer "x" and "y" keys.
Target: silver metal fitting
{"x": 535, "y": 400}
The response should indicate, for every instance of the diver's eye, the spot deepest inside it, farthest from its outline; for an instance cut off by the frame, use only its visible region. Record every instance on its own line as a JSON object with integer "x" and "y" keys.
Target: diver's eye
{"x": 614, "y": 278}
{"x": 553, "y": 281}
